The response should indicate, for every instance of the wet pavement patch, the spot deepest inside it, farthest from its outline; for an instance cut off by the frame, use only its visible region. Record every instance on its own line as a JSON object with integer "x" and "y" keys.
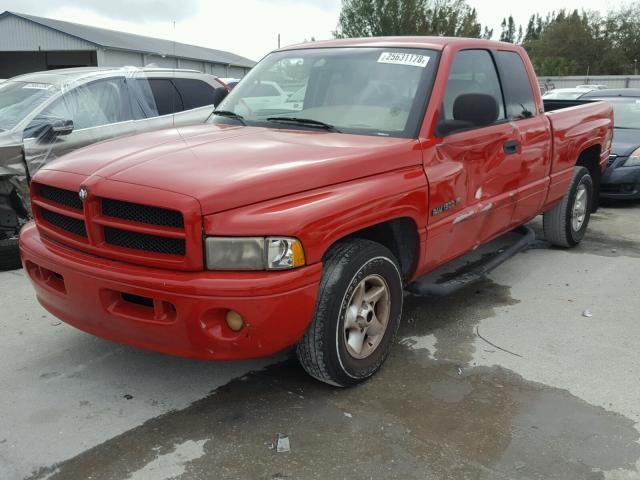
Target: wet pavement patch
{"x": 427, "y": 414}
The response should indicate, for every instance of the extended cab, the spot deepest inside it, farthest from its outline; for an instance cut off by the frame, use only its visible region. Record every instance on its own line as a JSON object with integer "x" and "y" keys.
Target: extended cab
{"x": 269, "y": 227}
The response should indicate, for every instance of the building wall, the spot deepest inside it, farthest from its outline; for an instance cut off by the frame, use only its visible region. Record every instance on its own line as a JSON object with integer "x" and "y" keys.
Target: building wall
{"x": 25, "y": 45}
{"x": 17, "y": 63}
{"x": 237, "y": 72}
{"x": 116, "y": 58}
{"x": 17, "y": 34}
{"x": 192, "y": 64}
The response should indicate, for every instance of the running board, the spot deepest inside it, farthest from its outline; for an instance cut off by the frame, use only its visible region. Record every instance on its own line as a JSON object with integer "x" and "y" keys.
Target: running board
{"x": 428, "y": 288}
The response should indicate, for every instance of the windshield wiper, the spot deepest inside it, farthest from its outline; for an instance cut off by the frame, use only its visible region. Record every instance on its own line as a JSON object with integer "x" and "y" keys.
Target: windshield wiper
{"x": 304, "y": 121}
{"x": 230, "y": 114}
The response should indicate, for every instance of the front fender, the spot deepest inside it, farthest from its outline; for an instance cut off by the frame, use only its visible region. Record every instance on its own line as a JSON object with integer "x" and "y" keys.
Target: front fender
{"x": 323, "y": 216}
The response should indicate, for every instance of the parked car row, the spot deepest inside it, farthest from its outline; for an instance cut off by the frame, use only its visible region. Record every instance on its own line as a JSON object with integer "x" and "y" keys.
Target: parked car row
{"x": 48, "y": 114}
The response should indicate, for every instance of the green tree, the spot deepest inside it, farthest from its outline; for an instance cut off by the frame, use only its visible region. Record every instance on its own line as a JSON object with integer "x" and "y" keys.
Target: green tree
{"x": 368, "y": 18}
{"x": 570, "y": 43}
{"x": 508, "y": 30}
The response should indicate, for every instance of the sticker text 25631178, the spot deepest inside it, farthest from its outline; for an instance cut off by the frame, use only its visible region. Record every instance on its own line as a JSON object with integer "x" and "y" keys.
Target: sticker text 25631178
{"x": 398, "y": 58}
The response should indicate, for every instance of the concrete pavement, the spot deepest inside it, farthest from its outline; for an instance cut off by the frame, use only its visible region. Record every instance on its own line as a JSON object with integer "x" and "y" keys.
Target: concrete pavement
{"x": 504, "y": 380}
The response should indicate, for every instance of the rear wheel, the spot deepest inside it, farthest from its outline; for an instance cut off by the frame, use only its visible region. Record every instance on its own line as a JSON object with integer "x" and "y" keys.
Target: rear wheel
{"x": 566, "y": 223}
{"x": 357, "y": 314}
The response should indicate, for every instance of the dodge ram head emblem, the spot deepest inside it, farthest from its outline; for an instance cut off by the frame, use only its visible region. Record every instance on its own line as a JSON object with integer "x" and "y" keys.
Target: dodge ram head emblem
{"x": 83, "y": 193}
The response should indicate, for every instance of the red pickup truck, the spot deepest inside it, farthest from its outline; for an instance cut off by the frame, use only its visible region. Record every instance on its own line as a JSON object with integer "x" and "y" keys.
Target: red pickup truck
{"x": 300, "y": 221}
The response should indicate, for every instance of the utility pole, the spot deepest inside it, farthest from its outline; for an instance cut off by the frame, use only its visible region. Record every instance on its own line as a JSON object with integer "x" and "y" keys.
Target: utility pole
{"x": 635, "y": 66}
{"x": 278, "y": 40}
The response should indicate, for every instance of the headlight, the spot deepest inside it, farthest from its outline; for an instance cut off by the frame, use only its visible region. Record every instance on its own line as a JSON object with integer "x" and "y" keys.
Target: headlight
{"x": 253, "y": 253}
{"x": 633, "y": 160}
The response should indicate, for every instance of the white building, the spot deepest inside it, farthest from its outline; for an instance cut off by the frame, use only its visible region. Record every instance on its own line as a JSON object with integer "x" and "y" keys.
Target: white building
{"x": 31, "y": 44}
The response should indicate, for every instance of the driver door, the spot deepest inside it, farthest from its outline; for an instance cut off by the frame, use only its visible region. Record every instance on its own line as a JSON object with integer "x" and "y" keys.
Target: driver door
{"x": 469, "y": 175}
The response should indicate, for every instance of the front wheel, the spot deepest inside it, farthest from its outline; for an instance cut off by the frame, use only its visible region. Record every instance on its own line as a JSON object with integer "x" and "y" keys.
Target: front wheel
{"x": 566, "y": 223}
{"x": 357, "y": 314}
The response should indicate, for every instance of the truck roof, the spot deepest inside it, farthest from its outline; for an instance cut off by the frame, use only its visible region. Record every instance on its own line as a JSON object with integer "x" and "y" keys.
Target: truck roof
{"x": 434, "y": 43}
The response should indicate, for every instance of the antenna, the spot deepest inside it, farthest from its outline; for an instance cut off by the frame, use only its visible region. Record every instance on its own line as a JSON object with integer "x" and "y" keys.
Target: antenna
{"x": 176, "y": 64}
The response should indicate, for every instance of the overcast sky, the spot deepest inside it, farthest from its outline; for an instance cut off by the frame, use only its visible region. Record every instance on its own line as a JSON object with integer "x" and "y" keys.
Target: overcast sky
{"x": 249, "y": 27}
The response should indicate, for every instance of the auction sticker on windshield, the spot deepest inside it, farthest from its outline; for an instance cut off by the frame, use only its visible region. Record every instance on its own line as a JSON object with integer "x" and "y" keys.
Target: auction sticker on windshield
{"x": 410, "y": 59}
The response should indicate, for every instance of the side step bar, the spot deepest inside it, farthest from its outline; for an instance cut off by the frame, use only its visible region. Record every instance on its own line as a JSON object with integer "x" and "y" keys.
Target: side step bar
{"x": 427, "y": 288}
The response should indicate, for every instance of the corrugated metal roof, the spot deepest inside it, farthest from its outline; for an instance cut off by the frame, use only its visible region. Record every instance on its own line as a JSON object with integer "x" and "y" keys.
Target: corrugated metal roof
{"x": 137, "y": 43}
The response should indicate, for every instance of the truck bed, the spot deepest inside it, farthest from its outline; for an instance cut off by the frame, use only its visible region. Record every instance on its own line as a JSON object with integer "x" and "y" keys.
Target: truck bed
{"x": 552, "y": 105}
{"x": 576, "y": 126}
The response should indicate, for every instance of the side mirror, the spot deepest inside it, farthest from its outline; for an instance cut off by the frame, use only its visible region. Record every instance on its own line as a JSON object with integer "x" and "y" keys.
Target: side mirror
{"x": 47, "y": 128}
{"x": 61, "y": 127}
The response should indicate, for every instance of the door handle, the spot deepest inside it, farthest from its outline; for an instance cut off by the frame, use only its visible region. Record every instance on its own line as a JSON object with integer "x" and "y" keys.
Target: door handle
{"x": 511, "y": 147}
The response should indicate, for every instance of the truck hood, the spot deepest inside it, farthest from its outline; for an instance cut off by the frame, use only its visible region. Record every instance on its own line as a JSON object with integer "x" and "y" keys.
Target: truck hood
{"x": 224, "y": 166}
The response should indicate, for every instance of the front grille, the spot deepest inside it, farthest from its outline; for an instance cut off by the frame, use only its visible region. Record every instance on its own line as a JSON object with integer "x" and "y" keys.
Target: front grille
{"x": 63, "y": 222}
{"x": 60, "y": 196}
{"x": 167, "y": 234}
{"x": 142, "y": 241}
{"x": 612, "y": 158}
{"x": 142, "y": 213}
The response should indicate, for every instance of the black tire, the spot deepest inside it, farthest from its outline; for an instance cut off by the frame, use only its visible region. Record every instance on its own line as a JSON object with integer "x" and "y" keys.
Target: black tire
{"x": 9, "y": 254}
{"x": 557, "y": 222}
{"x": 322, "y": 351}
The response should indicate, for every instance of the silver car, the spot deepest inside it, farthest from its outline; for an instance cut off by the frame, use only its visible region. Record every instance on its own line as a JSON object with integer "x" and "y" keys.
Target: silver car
{"x": 47, "y": 114}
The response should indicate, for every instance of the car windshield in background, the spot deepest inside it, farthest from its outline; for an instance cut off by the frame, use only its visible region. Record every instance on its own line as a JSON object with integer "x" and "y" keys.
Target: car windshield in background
{"x": 370, "y": 91}
{"x": 626, "y": 111}
{"x": 17, "y": 99}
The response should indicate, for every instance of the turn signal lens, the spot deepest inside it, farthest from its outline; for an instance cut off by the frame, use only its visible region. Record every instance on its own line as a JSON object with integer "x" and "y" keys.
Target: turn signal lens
{"x": 283, "y": 253}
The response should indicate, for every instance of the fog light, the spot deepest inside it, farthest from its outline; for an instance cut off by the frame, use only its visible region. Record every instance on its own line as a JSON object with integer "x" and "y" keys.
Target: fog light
{"x": 234, "y": 320}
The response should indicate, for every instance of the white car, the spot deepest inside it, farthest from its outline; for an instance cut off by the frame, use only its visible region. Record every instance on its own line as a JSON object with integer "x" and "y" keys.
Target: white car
{"x": 294, "y": 102}
{"x": 592, "y": 87}
{"x": 564, "y": 93}
{"x": 264, "y": 95}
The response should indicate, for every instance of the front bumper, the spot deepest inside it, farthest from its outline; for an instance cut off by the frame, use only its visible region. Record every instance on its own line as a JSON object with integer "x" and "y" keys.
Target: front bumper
{"x": 620, "y": 182}
{"x": 178, "y": 313}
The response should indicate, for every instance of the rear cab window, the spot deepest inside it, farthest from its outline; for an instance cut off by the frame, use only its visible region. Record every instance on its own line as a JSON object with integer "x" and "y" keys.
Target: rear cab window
{"x": 518, "y": 91}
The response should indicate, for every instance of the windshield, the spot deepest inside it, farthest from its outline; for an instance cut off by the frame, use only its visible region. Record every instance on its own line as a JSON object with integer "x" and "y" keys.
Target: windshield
{"x": 18, "y": 99}
{"x": 370, "y": 91}
{"x": 626, "y": 111}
